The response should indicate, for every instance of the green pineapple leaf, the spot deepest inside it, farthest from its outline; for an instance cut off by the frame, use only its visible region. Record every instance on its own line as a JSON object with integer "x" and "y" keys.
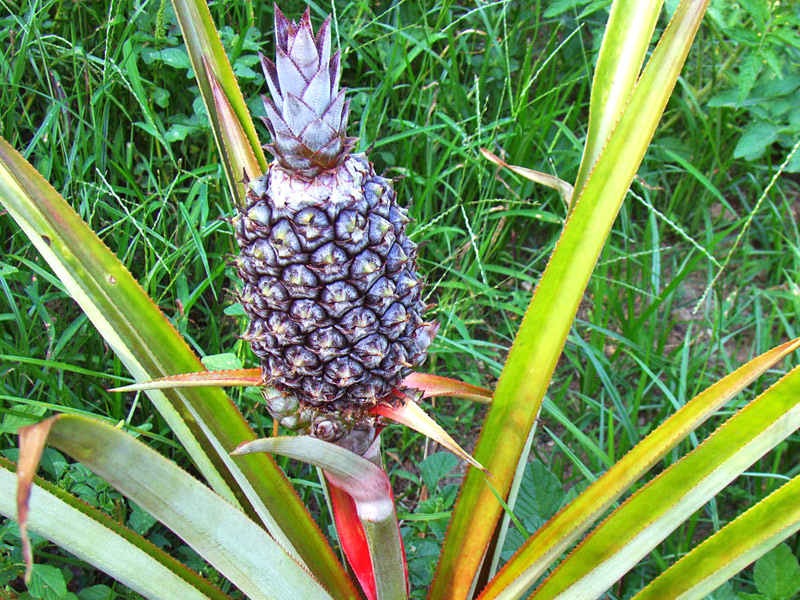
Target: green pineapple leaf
{"x": 558, "y": 534}
{"x": 735, "y": 546}
{"x": 100, "y": 540}
{"x": 217, "y": 530}
{"x": 544, "y": 329}
{"x": 657, "y": 509}
{"x": 625, "y": 43}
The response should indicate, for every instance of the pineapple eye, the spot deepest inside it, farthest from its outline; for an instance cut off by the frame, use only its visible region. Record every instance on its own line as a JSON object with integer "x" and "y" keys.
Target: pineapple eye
{"x": 371, "y": 350}
{"x": 259, "y": 214}
{"x": 326, "y": 257}
{"x": 299, "y": 275}
{"x": 365, "y": 264}
{"x": 301, "y": 357}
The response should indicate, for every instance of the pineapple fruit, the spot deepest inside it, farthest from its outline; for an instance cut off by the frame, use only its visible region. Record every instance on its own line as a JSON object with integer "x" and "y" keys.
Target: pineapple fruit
{"x": 330, "y": 276}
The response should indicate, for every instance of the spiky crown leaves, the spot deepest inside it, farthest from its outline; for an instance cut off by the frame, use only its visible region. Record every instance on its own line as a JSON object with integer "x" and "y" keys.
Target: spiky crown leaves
{"x": 307, "y": 115}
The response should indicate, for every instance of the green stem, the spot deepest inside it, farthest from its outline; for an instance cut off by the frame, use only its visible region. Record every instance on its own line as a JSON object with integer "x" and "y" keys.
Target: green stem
{"x": 385, "y": 548}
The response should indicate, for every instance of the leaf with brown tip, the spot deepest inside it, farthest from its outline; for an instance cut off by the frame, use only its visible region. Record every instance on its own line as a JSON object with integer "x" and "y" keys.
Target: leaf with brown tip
{"x": 410, "y": 414}
{"x": 235, "y": 145}
{"x": 203, "y": 44}
{"x": 545, "y": 179}
{"x": 31, "y": 445}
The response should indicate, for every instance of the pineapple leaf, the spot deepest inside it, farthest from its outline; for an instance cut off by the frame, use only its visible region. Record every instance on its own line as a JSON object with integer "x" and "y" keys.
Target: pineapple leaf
{"x": 353, "y": 539}
{"x": 364, "y": 481}
{"x": 732, "y": 548}
{"x": 630, "y": 28}
{"x": 547, "y": 321}
{"x": 368, "y": 486}
{"x": 436, "y": 385}
{"x": 203, "y": 44}
{"x": 551, "y": 181}
{"x": 100, "y": 540}
{"x": 228, "y": 378}
{"x": 430, "y": 385}
{"x": 217, "y": 530}
{"x": 653, "y": 512}
{"x": 410, "y": 414}
{"x": 564, "y": 529}
{"x": 235, "y": 147}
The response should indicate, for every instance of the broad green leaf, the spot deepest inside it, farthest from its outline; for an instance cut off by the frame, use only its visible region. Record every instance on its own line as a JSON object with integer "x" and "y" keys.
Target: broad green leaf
{"x": 47, "y": 582}
{"x": 653, "y": 512}
{"x": 555, "y": 537}
{"x": 628, "y": 33}
{"x": 547, "y": 321}
{"x": 777, "y": 573}
{"x": 222, "y": 361}
{"x": 204, "y": 419}
{"x": 368, "y": 486}
{"x": 96, "y": 538}
{"x": 218, "y": 531}
{"x": 756, "y": 138}
{"x": 203, "y": 43}
{"x": 435, "y": 467}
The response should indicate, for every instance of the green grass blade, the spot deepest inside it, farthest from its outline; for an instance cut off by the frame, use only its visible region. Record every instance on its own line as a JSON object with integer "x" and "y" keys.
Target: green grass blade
{"x": 101, "y": 541}
{"x": 218, "y": 531}
{"x": 203, "y": 44}
{"x": 731, "y": 549}
{"x": 630, "y": 28}
{"x": 547, "y": 321}
{"x": 565, "y": 528}
{"x": 650, "y": 515}
{"x": 204, "y": 419}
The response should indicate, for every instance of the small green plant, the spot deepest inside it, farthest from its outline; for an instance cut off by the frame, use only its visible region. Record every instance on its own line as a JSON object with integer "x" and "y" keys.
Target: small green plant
{"x": 766, "y": 83}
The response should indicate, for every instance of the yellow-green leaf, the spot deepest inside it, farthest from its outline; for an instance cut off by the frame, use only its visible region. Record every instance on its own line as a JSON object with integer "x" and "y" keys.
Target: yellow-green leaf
{"x": 547, "y": 321}
{"x": 565, "y": 528}
{"x": 731, "y": 549}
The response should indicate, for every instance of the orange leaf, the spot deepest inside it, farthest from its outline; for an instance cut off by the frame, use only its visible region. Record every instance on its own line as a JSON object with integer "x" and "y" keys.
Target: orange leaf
{"x": 229, "y": 378}
{"x": 434, "y": 385}
{"x": 410, "y": 414}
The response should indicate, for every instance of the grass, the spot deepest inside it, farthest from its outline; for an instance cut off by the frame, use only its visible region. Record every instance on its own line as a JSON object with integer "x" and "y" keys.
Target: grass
{"x": 97, "y": 97}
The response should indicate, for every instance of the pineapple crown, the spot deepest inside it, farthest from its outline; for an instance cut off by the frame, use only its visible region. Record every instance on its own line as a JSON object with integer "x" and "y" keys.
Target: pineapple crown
{"x": 307, "y": 114}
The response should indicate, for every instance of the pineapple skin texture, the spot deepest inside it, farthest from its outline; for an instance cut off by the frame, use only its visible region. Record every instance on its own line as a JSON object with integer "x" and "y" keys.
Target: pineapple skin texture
{"x": 332, "y": 293}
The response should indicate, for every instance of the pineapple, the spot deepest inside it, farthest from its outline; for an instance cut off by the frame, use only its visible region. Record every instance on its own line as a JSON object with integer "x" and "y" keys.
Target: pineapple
{"x": 330, "y": 276}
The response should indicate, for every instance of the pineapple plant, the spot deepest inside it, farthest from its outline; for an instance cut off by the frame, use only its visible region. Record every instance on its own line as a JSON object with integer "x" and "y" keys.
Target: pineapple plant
{"x": 276, "y": 550}
{"x": 329, "y": 274}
